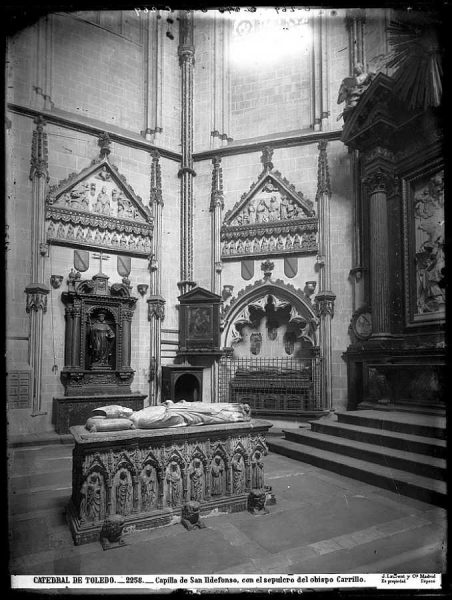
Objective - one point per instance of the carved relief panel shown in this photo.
(424, 245)
(271, 218)
(96, 208)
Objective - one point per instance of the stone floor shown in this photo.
(322, 523)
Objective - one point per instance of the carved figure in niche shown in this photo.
(251, 213)
(265, 245)
(353, 87)
(123, 242)
(261, 212)
(297, 242)
(103, 202)
(255, 343)
(238, 474)
(273, 209)
(174, 484)
(240, 248)
(147, 245)
(123, 494)
(283, 208)
(248, 248)
(148, 485)
(114, 240)
(92, 189)
(107, 238)
(197, 481)
(65, 200)
(114, 201)
(98, 237)
(103, 174)
(272, 244)
(239, 219)
(199, 322)
(101, 337)
(280, 244)
(257, 471)
(70, 232)
(288, 243)
(131, 243)
(51, 230)
(430, 271)
(256, 246)
(92, 506)
(218, 487)
(191, 516)
(60, 232)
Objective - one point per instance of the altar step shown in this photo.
(401, 452)
(438, 409)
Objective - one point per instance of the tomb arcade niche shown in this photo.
(96, 210)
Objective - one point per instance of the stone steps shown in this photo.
(402, 452)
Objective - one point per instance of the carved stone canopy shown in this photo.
(97, 208)
(271, 218)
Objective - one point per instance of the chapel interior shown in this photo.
(226, 206)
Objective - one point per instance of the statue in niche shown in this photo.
(123, 494)
(280, 243)
(297, 242)
(255, 343)
(217, 471)
(114, 201)
(114, 240)
(288, 243)
(265, 245)
(174, 484)
(256, 246)
(261, 212)
(92, 504)
(352, 88)
(273, 209)
(101, 337)
(248, 247)
(123, 242)
(272, 244)
(240, 248)
(148, 487)
(238, 474)
(197, 481)
(257, 471)
(92, 190)
(251, 213)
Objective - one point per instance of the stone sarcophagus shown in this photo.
(147, 476)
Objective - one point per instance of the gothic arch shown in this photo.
(300, 304)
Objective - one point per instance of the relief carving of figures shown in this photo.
(92, 505)
(284, 208)
(101, 337)
(148, 486)
(174, 484)
(257, 471)
(430, 263)
(273, 209)
(197, 481)
(218, 477)
(262, 212)
(102, 205)
(238, 474)
(251, 217)
(123, 493)
(78, 197)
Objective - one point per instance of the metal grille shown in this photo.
(271, 385)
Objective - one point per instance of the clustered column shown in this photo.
(325, 298)
(186, 173)
(37, 291)
(156, 303)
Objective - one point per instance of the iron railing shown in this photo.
(271, 385)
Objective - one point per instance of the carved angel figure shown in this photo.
(353, 87)
(174, 484)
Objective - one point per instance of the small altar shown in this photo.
(147, 475)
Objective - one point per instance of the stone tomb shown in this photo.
(148, 475)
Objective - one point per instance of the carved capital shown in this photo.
(36, 297)
(218, 267)
(381, 181)
(156, 307)
(104, 143)
(39, 154)
(325, 303)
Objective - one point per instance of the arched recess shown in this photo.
(271, 311)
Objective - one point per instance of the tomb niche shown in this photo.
(97, 367)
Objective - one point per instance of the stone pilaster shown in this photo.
(216, 208)
(325, 297)
(156, 303)
(379, 184)
(37, 290)
(355, 21)
(154, 77)
(186, 173)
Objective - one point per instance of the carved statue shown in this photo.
(111, 532)
(353, 87)
(148, 488)
(101, 336)
(174, 484)
(273, 209)
(92, 506)
(191, 516)
(103, 202)
(238, 474)
(123, 494)
(92, 189)
(251, 213)
(218, 487)
(261, 212)
(257, 474)
(283, 208)
(197, 481)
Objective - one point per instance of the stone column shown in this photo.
(325, 298)
(186, 173)
(156, 303)
(127, 315)
(154, 79)
(355, 21)
(76, 316)
(379, 183)
(37, 290)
